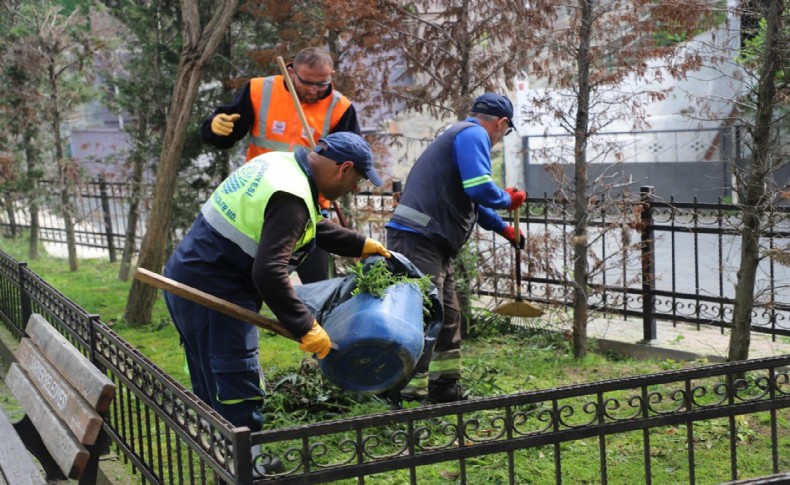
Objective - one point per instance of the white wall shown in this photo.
(703, 100)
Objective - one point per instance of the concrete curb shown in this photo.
(651, 351)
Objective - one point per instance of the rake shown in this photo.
(518, 308)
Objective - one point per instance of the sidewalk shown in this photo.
(680, 342)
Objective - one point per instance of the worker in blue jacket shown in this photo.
(256, 227)
(447, 192)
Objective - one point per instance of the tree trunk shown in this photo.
(35, 226)
(31, 154)
(759, 171)
(8, 204)
(580, 263)
(740, 338)
(68, 222)
(64, 177)
(141, 296)
(133, 215)
(197, 50)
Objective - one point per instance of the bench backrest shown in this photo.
(63, 394)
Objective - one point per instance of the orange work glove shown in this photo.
(222, 124)
(316, 341)
(374, 247)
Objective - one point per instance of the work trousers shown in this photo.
(445, 367)
(222, 356)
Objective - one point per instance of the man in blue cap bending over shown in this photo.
(448, 190)
(258, 225)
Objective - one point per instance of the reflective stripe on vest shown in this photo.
(419, 219)
(278, 125)
(237, 206)
(433, 201)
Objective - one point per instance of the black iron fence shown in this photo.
(728, 420)
(650, 259)
(165, 432)
(101, 213)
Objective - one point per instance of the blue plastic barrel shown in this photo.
(379, 340)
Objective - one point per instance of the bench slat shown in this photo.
(70, 455)
(86, 378)
(72, 408)
(18, 467)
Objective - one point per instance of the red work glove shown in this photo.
(517, 197)
(509, 233)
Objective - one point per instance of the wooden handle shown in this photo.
(516, 232)
(305, 126)
(295, 99)
(211, 301)
(517, 237)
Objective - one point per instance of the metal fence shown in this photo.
(650, 259)
(165, 432)
(101, 212)
(659, 428)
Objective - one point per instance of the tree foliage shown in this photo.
(202, 32)
(139, 76)
(52, 51)
(767, 61)
(21, 78)
(752, 54)
(435, 57)
(583, 54)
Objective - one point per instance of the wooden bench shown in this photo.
(64, 397)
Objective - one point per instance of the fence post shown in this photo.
(647, 237)
(242, 455)
(103, 443)
(105, 207)
(93, 321)
(24, 298)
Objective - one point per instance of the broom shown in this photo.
(518, 308)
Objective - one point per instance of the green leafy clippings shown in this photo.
(376, 278)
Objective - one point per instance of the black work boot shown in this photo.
(447, 391)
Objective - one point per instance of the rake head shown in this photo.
(518, 309)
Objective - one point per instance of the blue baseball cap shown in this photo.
(495, 105)
(346, 146)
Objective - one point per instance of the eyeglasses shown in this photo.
(510, 127)
(322, 84)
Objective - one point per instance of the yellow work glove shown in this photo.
(222, 124)
(316, 341)
(372, 247)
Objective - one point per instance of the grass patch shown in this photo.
(494, 363)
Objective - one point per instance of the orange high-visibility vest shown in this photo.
(277, 127)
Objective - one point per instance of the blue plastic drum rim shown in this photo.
(374, 368)
(379, 340)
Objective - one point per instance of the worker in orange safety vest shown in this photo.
(264, 110)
